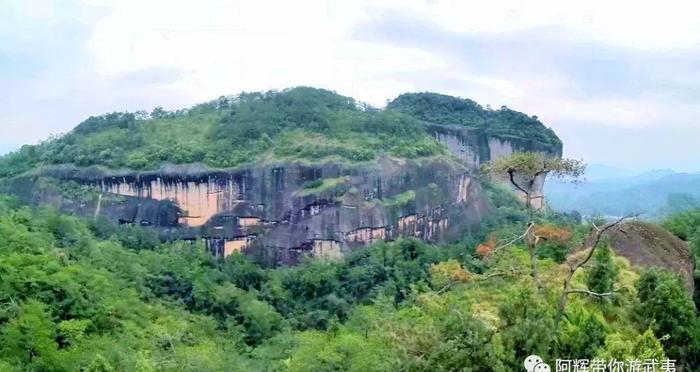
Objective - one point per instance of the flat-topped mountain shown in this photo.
(282, 174)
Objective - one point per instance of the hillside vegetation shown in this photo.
(296, 124)
(94, 296)
(443, 109)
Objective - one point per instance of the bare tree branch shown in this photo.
(519, 237)
(512, 272)
(511, 174)
(590, 293)
(596, 236)
(446, 287)
(591, 243)
(541, 172)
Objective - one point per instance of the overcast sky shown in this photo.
(618, 81)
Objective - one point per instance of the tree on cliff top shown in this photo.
(524, 170)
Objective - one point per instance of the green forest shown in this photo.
(349, 186)
(96, 296)
(443, 109)
(92, 294)
(305, 124)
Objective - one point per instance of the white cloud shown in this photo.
(642, 24)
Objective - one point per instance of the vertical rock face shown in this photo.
(475, 148)
(281, 212)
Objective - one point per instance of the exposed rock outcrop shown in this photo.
(474, 147)
(279, 212)
(649, 245)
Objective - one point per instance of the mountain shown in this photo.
(596, 172)
(653, 194)
(650, 175)
(126, 273)
(282, 175)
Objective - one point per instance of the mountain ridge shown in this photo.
(297, 123)
(281, 175)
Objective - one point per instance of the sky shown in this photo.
(618, 81)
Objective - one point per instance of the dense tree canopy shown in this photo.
(504, 122)
(90, 295)
(300, 124)
(79, 295)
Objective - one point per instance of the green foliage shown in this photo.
(632, 346)
(508, 210)
(72, 302)
(79, 295)
(529, 165)
(665, 307)
(685, 225)
(321, 185)
(504, 122)
(528, 327)
(96, 124)
(296, 124)
(346, 351)
(400, 199)
(582, 334)
(29, 338)
(603, 272)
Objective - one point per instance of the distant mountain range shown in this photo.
(614, 192)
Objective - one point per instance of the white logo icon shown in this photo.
(534, 363)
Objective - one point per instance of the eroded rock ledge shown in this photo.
(283, 211)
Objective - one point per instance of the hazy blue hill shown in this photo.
(653, 193)
(595, 172)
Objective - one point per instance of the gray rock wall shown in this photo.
(474, 148)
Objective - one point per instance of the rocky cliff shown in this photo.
(279, 212)
(282, 209)
(474, 147)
